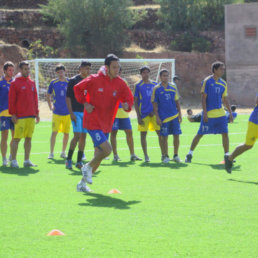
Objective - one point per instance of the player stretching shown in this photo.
(213, 121)
(76, 112)
(23, 106)
(122, 122)
(5, 118)
(144, 108)
(104, 93)
(168, 113)
(251, 137)
(61, 119)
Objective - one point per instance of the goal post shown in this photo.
(43, 70)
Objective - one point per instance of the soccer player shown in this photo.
(193, 118)
(6, 123)
(105, 91)
(23, 106)
(213, 121)
(76, 110)
(61, 118)
(251, 137)
(168, 114)
(234, 113)
(122, 122)
(144, 108)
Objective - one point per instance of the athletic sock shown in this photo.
(227, 153)
(79, 156)
(190, 152)
(70, 154)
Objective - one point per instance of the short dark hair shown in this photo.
(176, 77)
(84, 63)
(216, 65)
(163, 71)
(22, 63)
(143, 68)
(110, 58)
(233, 108)
(60, 67)
(8, 64)
(188, 110)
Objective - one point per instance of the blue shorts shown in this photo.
(122, 124)
(171, 127)
(98, 137)
(78, 127)
(218, 125)
(6, 123)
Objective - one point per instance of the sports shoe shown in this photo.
(14, 164)
(68, 164)
(87, 173)
(82, 187)
(116, 158)
(28, 163)
(63, 155)
(147, 159)
(5, 162)
(228, 164)
(84, 157)
(165, 159)
(79, 165)
(107, 158)
(134, 157)
(176, 158)
(188, 158)
(51, 156)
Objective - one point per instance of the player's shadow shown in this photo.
(119, 163)
(171, 165)
(19, 171)
(104, 201)
(56, 161)
(217, 166)
(242, 181)
(78, 172)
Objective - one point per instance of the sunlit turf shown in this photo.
(183, 210)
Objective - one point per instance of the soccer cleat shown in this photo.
(107, 158)
(116, 158)
(176, 158)
(79, 165)
(28, 163)
(87, 173)
(68, 164)
(147, 159)
(5, 162)
(228, 164)
(165, 159)
(188, 158)
(84, 157)
(82, 187)
(134, 157)
(63, 155)
(51, 156)
(14, 164)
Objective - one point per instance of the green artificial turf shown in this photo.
(173, 210)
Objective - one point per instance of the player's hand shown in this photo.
(125, 106)
(205, 117)
(89, 108)
(37, 119)
(231, 119)
(180, 119)
(14, 119)
(73, 117)
(159, 121)
(140, 121)
(151, 114)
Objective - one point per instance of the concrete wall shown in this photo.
(241, 52)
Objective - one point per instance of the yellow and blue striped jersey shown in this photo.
(4, 91)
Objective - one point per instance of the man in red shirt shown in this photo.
(23, 106)
(105, 91)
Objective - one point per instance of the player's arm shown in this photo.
(126, 98)
(36, 104)
(68, 101)
(179, 111)
(49, 94)
(155, 107)
(227, 105)
(204, 107)
(257, 99)
(136, 105)
(11, 102)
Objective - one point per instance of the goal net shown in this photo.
(43, 70)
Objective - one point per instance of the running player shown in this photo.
(76, 112)
(168, 114)
(122, 122)
(23, 90)
(5, 118)
(214, 121)
(144, 108)
(105, 91)
(61, 121)
(251, 137)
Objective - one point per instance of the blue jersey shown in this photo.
(143, 91)
(234, 114)
(58, 89)
(166, 99)
(254, 115)
(4, 91)
(215, 91)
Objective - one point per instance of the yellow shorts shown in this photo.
(24, 128)
(150, 123)
(252, 134)
(61, 124)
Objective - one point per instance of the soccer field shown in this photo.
(165, 210)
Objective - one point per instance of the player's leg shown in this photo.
(65, 142)
(175, 130)
(4, 138)
(164, 132)
(143, 134)
(144, 144)
(113, 144)
(176, 147)
(52, 144)
(65, 125)
(225, 142)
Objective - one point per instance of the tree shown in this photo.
(98, 26)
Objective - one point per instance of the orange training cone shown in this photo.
(114, 191)
(55, 232)
(222, 162)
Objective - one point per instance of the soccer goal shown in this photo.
(43, 70)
